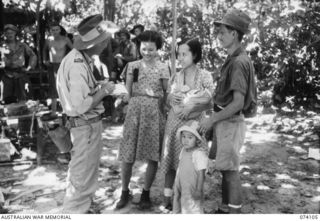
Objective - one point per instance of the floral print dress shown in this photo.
(145, 122)
(171, 145)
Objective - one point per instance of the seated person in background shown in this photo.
(137, 30)
(56, 46)
(107, 56)
(127, 52)
(15, 81)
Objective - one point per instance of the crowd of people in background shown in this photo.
(19, 58)
(167, 119)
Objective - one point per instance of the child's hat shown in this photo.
(190, 126)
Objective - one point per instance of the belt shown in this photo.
(144, 95)
(78, 122)
(218, 108)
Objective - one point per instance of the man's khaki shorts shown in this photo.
(228, 139)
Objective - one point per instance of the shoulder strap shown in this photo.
(169, 68)
(83, 116)
(90, 71)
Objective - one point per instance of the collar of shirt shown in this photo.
(88, 60)
(236, 52)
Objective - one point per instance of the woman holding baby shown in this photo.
(191, 82)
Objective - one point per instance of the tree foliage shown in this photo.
(283, 43)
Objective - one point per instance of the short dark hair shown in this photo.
(151, 36)
(63, 31)
(195, 48)
(140, 27)
(124, 31)
(240, 34)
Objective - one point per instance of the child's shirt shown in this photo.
(190, 166)
(199, 158)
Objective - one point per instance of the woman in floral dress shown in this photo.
(189, 78)
(146, 82)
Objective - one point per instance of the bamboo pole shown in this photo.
(38, 34)
(174, 37)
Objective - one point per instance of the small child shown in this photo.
(188, 187)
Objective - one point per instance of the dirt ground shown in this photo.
(277, 177)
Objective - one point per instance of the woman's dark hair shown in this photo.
(151, 36)
(63, 31)
(70, 36)
(195, 48)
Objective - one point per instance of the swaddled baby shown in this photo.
(191, 98)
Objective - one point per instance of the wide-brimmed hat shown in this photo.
(11, 27)
(137, 26)
(236, 19)
(93, 30)
(190, 126)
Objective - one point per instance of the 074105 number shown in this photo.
(309, 216)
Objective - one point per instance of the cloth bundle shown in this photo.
(193, 98)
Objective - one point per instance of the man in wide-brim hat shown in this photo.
(235, 95)
(80, 95)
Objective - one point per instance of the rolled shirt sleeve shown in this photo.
(239, 78)
(234, 77)
(200, 160)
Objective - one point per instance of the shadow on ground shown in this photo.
(276, 175)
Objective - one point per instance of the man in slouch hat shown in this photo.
(235, 95)
(80, 95)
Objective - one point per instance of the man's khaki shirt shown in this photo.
(76, 85)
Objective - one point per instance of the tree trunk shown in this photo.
(1, 16)
(38, 34)
(109, 9)
(174, 36)
(261, 18)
